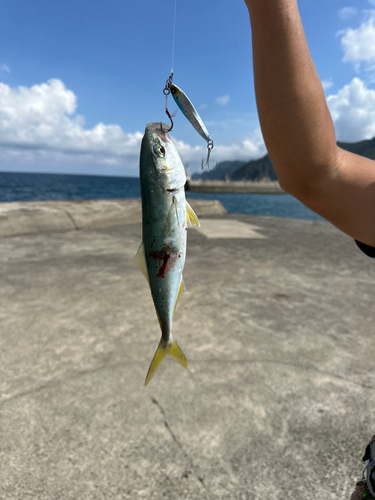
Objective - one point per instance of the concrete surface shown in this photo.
(278, 401)
(52, 216)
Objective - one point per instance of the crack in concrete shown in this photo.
(30, 391)
(56, 382)
(191, 464)
(67, 213)
(287, 363)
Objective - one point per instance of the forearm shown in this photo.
(294, 117)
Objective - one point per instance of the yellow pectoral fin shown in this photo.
(191, 215)
(162, 351)
(140, 262)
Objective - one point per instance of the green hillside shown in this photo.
(362, 148)
(255, 170)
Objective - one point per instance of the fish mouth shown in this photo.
(160, 129)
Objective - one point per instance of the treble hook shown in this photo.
(166, 92)
(210, 147)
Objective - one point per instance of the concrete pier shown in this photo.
(277, 324)
(59, 216)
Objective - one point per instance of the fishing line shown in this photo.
(184, 103)
(174, 33)
(166, 90)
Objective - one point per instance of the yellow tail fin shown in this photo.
(162, 351)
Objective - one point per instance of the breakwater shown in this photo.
(234, 187)
(57, 216)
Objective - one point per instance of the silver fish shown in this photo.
(165, 213)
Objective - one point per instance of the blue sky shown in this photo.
(79, 80)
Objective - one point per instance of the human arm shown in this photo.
(297, 126)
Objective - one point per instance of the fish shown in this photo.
(162, 253)
(186, 106)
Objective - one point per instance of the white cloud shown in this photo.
(247, 149)
(5, 68)
(327, 84)
(223, 100)
(39, 124)
(347, 12)
(353, 111)
(40, 131)
(359, 44)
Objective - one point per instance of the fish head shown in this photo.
(160, 160)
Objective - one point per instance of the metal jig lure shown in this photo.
(187, 108)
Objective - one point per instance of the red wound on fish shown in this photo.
(163, 267)
(165, 258)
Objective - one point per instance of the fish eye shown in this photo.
(173, 91)
(159, 150)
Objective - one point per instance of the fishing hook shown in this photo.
(168, 113)
(166, 92)
(210, 147)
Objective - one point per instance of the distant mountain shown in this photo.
(223, 168)
(257, 170)
(254, 170)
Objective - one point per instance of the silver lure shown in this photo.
(186, 106)
(165, 211)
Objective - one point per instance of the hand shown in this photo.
(359, 491)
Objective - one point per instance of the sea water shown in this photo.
(42, 187)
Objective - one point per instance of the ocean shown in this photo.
(42, 187)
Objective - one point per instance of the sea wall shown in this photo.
(234, 187)
(55, 216)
